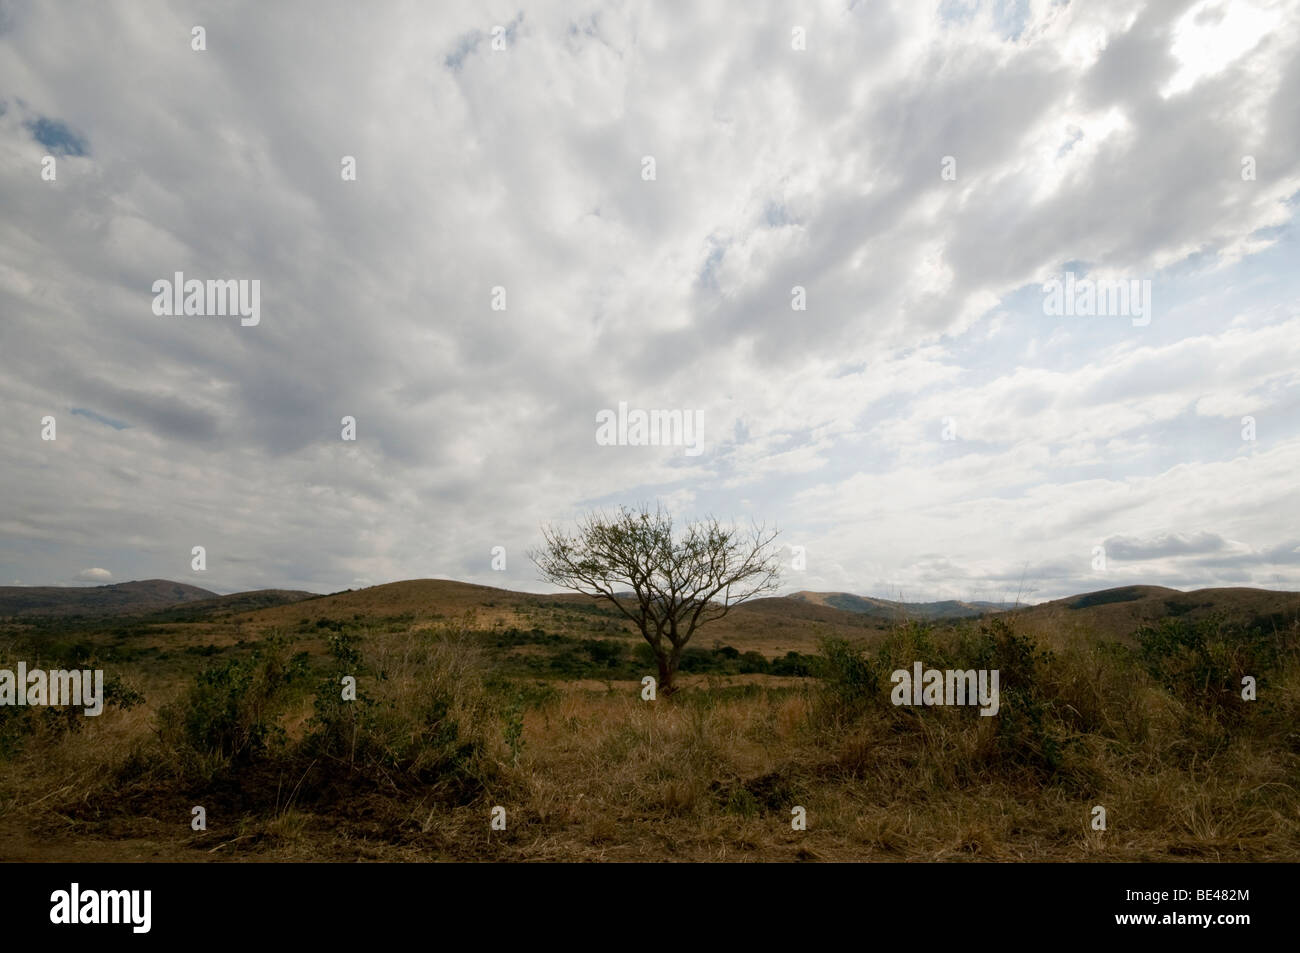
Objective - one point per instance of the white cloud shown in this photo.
(522, 168)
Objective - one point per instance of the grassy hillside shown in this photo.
(899, 611)
(118, 599)
(1118, 613)
(236, 603)
(771, 626)
(470, 697)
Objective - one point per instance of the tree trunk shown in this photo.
(667, 669)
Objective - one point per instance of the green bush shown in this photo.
(418, 716)
(1027, 733)
(20, 724)
(850, 681)
(1202, 663)
(792, 663)
(231, 710)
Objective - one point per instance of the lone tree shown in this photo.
(669, 586)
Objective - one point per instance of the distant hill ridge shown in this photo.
(1124, 609)
(774, 624)
(133, 598)
(888, 608)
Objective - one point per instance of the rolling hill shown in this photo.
(120, 598)
(772, 625)
(889, 609)
(143, 598)
(1118, 612)
(235, 603)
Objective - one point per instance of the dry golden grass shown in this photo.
(771, 626)
(710, 775)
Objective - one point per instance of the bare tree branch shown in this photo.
(679, 581)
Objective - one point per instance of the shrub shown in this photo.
(1201, 663)
(418, 718)
(1027, 734)
(605, 653)
(792, 663)
(850, 681)
(231, 710)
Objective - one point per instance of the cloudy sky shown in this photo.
(923, 427)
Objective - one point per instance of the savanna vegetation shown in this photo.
(455, 716)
